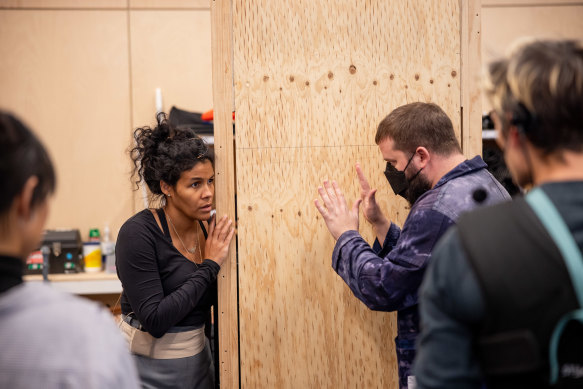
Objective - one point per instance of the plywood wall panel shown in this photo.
(312, 81)
(340, 57)
(66, 74)
(228, 309)
(300, 325)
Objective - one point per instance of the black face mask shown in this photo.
(397, 179)
(417, 188)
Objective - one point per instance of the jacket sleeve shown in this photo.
(137, 268)
(450, 306)
(389, 282)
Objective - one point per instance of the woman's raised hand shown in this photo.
(217, 244)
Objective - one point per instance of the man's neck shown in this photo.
(11, 244)
(10, 250)
(554, 168)
(441, 165)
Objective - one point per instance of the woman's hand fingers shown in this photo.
(212, 223)
(220, 234)
(223, 228)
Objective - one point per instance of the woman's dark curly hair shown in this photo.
(164, 152)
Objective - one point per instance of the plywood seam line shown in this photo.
(301, 325)
(305, 147)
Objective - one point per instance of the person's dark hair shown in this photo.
(419, 124)
(22, 156)
(162, 153)
(539, 88)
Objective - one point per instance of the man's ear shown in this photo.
(424, 156)
(514, 138)
(23, 200)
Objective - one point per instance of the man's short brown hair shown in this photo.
(419, 124)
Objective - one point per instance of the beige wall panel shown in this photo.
(66, 73)
(168, 4)
(63, 3)
(502, 26)
(170, 50)
(312, 81)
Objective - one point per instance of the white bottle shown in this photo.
(108, 251)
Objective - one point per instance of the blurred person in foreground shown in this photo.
(48, 339)
(498, 284)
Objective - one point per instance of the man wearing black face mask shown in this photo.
(409, 188)
(425, 165)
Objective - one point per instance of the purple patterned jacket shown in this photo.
(388, 278)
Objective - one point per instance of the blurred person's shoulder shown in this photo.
(38, 311)
(46, 333)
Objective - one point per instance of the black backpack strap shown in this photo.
(561, 235)
(510, 251)
(569, 331)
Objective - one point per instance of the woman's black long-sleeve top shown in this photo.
(162, 287)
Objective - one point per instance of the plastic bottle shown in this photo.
(92, 252)
(94, 235)
(108, 251)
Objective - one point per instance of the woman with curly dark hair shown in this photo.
(168, 263)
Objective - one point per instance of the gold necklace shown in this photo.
(192, 250)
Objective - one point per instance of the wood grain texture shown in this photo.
(222, 76)
(471, 92)
(314, 58)
(300, 325)
(312, 81)
(65, 73)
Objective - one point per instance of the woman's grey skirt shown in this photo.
(197, 371)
